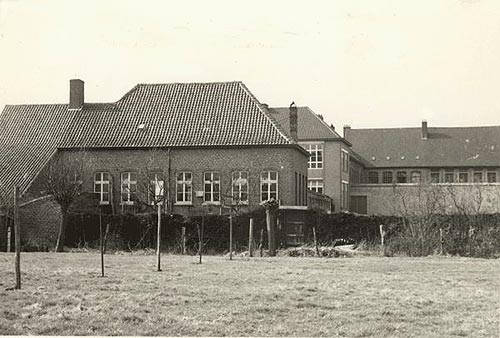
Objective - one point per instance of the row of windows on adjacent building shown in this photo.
(417, 176)
(184, 187)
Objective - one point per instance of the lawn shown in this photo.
(62, 294)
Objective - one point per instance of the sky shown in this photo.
(368, 64)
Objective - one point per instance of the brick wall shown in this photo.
(40, 219)
(285, 160)
(385, 199)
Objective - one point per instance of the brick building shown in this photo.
(196, 144)
(328, 165)
(464, 161)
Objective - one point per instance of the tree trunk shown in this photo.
(61, 237)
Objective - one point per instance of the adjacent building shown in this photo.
(328, 165)
(464, 158)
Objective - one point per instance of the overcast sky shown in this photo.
(364, 63)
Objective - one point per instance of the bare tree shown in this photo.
(64, 182)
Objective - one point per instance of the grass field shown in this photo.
(62, 294)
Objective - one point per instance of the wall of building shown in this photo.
(386, 199)
(287, 161)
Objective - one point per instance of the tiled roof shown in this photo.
(310, 126)
(177, 114)
(404, 147)
(28, 138)
(149, 115)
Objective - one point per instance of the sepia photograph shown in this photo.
(250, 168)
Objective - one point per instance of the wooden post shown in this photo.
(250, 238)
(382, 235)
(158, 240)
(9, 235)
(183, 240)
(315, 241)
(17, 235)
(102, 242)
(261, 246)
(271, 220)
(230, 237)
(441, 241)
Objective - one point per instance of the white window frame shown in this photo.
(345, 195)
(418, 174)
(315, 184)
(186, 186)
(265, 179)
(345, 160)
(156, 185)
(239, 186)
(127, 183)
(101, 182)
(474, 176)
(493, 173)
(214, 193)
(314, 150)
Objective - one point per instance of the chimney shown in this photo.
(76, 93)
(347, 128)
(293, 121)
(425, 133)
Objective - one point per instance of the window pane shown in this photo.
(180, 177)
(97, 177)
(244, 197)
(180, 197)
(208, 176)
(463, 177)
(208, 197)
(216, 176)
(478, 177)
(133, 177)
(208, 187)
(273, 175)
(415, 176)
(105, 187)
(273, 187)
(187, 176)
(387, 177)
(435, 177)
(105, 197)
(492, 177)
(97, 188)
(448, 177)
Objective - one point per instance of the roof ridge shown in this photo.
(261, 109)
(323, 122)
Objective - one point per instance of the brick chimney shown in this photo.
(293, 121)
(76, 93)
(425, 133)
(347, 128)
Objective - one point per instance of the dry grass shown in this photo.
(354, 297)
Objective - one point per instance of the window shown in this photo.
(373, 177)
(345, 195)
(128, 187)
(240, 187)
(387, 177)
(316, 158)
(155, 191)
(478, 176)
(212, 187)
(102, 186)
(184, 189)
(345, 160)
(449, 177)
(315, 185)
(492, 177)
(435, 177)
(463, 177)
(401, 177)
(416, 176)
(269, 185)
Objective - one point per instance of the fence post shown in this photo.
(158, 240)
(9, 235)
(230, 237)
(250, 238)
(315, 241)
(382, 237)
(101, 241)
(17, 235)
(441, 241)
(183, 240)
(261, 242)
